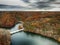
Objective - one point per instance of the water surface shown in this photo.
(26, 38)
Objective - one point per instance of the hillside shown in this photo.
(44, 23)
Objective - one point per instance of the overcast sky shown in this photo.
(22, 3)
(15, 2)
(10, 2)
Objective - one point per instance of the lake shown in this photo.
(27, 38)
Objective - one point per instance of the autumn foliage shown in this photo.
(7, 20)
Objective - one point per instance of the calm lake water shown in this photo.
(26, 38)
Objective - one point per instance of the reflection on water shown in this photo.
(22, 38)
(25, 38)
